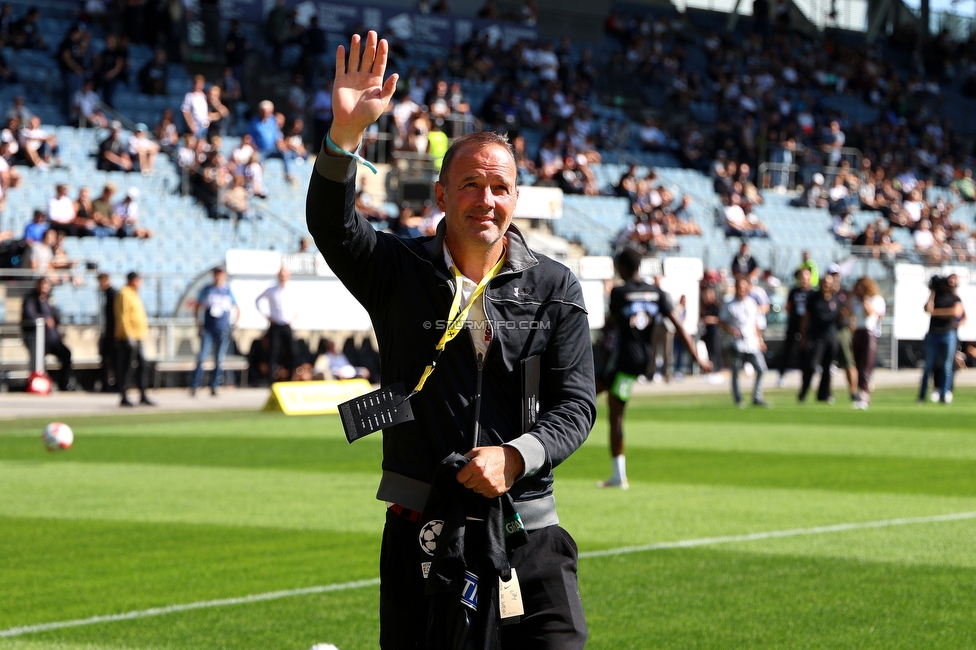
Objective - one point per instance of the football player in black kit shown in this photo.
(633, 306)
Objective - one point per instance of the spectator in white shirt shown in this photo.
(40, 254)
(281, 312)
(546, 63)
(62, 215)
(340, 366)
(241, 156)
(735, 220)
(741, 318)
(923, 236)
(38, 145)
(195, 110)
(143, 150)
(254, 176)
(128, 211)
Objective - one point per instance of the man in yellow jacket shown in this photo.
(131, 327)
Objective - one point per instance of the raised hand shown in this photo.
(359, 94)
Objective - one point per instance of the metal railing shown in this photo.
(381, 140)
(774, 175)
(770, 170)
(83, 281)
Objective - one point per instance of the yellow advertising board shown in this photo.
(314, 397)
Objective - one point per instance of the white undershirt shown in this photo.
(476, 320)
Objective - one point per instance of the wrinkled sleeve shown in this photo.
(567, 391)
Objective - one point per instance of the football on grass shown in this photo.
(58, 435)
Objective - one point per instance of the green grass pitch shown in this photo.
(152, 511)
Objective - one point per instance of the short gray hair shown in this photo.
(479, 139)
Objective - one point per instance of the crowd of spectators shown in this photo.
(659, 217)
(769, 90)
(226, 184)
(768, 87)
(40, 248)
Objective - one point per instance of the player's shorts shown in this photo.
(622, 386)
(845, 348)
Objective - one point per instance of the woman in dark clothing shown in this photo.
(710, 310)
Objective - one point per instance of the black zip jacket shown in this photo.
(535, 306)
(35, 308)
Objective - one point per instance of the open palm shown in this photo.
(359, 94)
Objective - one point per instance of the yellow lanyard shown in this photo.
(457, 316)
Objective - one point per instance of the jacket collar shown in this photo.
(519, 256)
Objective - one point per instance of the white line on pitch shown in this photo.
(774, 534)
(170, 609)
(343, 586)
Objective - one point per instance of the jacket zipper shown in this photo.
(477, 402)
(480, 358)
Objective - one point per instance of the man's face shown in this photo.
(742, 286)
(44, 288)
(805, 279)
(829, 282)
(104, 282)
(478, 196)
(220, 278)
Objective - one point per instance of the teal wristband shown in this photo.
(334, 148)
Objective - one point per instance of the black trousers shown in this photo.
(546, 569)
(790, 343)
(131, 361)
(61, 351)
(865, 351)
(283, 353)
(57, 348)
(714, 348)
(108, 351)
(819, 352)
